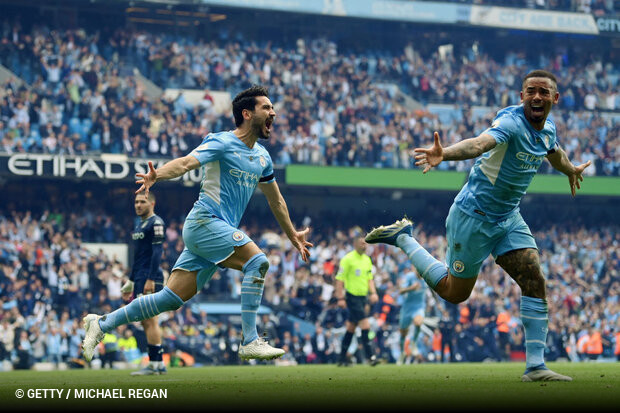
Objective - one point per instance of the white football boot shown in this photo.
(259, 349)
(387, 234)
(93, 335)
(544, 374)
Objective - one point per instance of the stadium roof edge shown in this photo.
(431, 12)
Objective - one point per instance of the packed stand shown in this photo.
(333, 107)
(49, 281)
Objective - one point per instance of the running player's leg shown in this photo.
(153, 335)
(417, 327)
(218, 242)
(400, 234)
(254, 264)
(181, 286)
(404, 321)
(402, 340)
(523, 266)
(170, 298)
(518, 255)
(468, 246)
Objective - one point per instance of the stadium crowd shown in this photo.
(49, 281)
(334, 107)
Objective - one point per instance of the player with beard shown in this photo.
(485, 219)
(233, 165)
(146, 277)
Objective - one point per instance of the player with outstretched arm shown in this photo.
(233, 164)
(484, 218)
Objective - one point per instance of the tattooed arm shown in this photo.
(466, 149)
(559, 160)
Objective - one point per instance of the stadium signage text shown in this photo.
(541, 20)
(61, 166)
(609, 24)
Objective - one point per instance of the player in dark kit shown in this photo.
(146, 276)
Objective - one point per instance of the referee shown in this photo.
(355, 275)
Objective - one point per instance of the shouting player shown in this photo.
(485, 218)
(233, 164)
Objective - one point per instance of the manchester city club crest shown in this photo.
(262, 161)
(458, 266)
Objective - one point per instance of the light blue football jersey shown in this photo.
(500, 177)
(231, 172)
(416, 297)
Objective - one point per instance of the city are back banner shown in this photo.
(609, 25)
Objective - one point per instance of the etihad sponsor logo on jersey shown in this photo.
(529, 161)
(245, 178)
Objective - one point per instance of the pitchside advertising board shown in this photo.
(122, 169)
(104, 167)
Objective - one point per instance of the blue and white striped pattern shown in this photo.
(148, 308)
(142, 308)
(252, 288)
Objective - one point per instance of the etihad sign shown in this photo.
(112, 167)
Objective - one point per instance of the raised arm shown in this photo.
(169, 170)
(280, 211)
(465, 149)
(559, 160)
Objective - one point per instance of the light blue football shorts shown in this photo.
(471, 240)
(408, 312)
(208, 242)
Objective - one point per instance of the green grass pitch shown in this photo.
(414, 388)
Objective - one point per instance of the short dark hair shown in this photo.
(540, 73)
(247, 100)
(151, 196)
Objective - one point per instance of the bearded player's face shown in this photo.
(263, 117)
